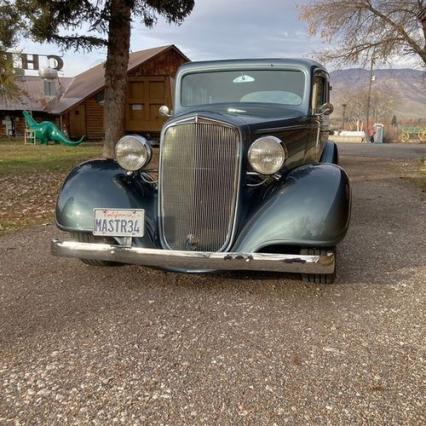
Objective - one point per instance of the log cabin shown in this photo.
(76, 104)
(151, 74)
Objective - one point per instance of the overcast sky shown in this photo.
(216, 29)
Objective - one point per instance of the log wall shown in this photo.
(165, 64)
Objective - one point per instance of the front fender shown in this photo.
(103, 184)
(310, 207)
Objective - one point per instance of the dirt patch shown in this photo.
(29, 197)
(28, 200)
(30, 176)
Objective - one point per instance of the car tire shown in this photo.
(319, 278)
(85, 237)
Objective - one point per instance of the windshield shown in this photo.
(284, 87)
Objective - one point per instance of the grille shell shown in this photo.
(200, 167)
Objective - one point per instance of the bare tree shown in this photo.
(382, 106)
(359, 27)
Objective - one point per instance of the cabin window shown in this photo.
(49, 88)
(319, 93)
(137, 107)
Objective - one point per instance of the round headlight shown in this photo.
(132, 152)
(267, 155)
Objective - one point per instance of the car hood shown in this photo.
(252, 115)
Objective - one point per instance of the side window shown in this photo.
(319, 93)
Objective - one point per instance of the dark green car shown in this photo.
(247, 179)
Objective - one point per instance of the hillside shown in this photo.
(406, 86)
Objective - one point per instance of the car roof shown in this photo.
(305, 63)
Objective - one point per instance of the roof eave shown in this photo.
(99, 88)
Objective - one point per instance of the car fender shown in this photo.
(309, 208)
(103, 184)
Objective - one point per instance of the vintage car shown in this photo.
(246, 179)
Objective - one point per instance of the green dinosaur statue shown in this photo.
(47, 131)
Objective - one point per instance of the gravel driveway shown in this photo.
(133, 345)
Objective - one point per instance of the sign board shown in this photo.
(31, 61)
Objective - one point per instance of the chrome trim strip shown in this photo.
(283, 129)
(196, 118)
(317, 141)
(195, 260)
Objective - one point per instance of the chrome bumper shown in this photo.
(195, 260)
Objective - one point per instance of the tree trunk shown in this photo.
(116, 74)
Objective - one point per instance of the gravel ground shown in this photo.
(132, 345)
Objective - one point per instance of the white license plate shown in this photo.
(119, 222)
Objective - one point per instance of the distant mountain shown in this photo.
(406, 86)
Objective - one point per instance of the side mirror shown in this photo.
(164, 111)
(326, 109)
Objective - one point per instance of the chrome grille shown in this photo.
(199, 178)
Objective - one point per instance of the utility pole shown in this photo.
(369, 89)
(343, 116)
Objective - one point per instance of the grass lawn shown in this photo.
(17, 158)
(30, 177)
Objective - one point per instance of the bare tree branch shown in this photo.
(393, 27)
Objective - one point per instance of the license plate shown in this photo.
(119, 222)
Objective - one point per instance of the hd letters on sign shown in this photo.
(30, 61)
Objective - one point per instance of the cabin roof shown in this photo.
(32, 96)
(92, 81)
